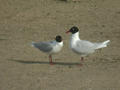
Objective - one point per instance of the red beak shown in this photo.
(68, 31)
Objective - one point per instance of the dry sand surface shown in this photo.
(23, 67)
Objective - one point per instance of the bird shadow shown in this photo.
(2, 39)
(44, 62)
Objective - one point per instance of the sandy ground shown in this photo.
(23, 67)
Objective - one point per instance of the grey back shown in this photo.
(44, 46)
(85, 46)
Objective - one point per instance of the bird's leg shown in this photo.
(50, 59)
(82, 58)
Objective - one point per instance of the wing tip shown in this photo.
(107, 41)
(32, 44)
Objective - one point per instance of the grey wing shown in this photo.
(84, 46)
(43, 46)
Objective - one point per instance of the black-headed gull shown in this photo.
(50, 47)
(83, 47)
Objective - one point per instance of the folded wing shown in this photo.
(43, 46)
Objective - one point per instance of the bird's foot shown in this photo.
(80, 65)
(51, 63)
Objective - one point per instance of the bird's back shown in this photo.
(83, 47)
(43, 46)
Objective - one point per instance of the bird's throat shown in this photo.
(74, 39)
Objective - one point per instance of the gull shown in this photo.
(50, 47)
(83, 47)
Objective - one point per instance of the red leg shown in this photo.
(82, 58)
(80, 64)
(50, 59)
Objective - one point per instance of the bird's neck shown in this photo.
(75, 37)
(60, 43)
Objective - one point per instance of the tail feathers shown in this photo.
(102, 45)
(105, 42)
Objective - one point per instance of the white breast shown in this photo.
(74, 39)
(57, 47)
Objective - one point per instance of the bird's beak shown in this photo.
(68, 31)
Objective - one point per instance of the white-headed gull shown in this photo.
(50, 47)
(83, 47)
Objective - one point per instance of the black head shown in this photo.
(58, 38)
(73, 30)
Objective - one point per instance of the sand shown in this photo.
(23, 67)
